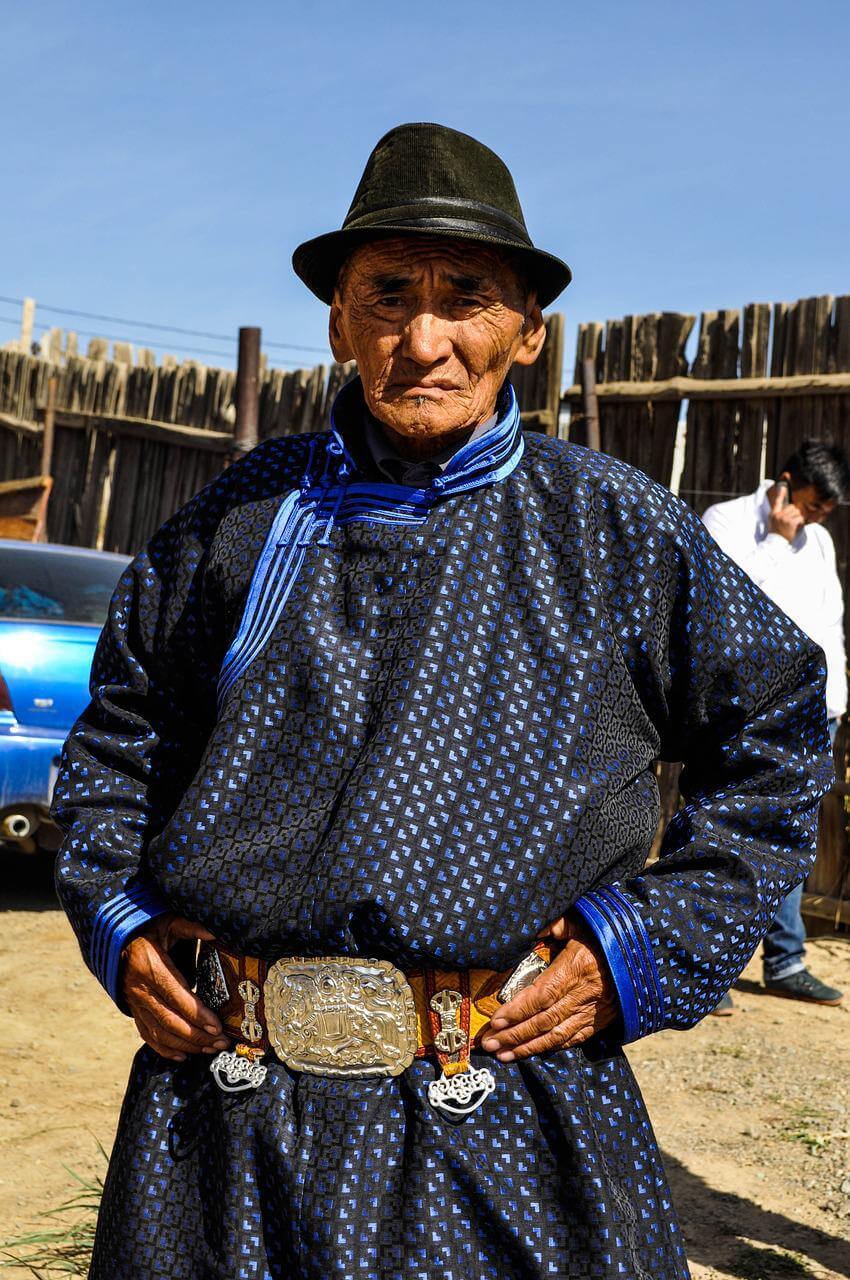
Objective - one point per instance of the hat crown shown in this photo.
(428, 180)
(430, 165)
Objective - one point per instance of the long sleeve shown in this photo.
(138, 743)
(736, 692)
(832, 633)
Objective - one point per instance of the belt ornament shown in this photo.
(346, 1016)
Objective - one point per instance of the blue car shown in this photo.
(53, 604)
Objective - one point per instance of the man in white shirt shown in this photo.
(776, 535)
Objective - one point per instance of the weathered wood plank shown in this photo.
(701, 388)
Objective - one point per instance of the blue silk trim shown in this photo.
(115, 923)
(625, 942)
(307, 516)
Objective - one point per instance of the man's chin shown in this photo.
(421, 419)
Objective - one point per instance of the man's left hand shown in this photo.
(570, 1001)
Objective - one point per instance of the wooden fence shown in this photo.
(134, 442)
(762, 380)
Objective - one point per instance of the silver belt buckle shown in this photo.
(340, 1016)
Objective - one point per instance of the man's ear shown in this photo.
(532, 335)
(337, 336)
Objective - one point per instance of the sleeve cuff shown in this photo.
(625, 942)
(115, 923)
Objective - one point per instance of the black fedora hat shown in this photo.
(425, 179)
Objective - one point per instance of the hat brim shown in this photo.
(317, 262)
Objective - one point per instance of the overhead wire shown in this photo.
(151, 342)
(162, 328)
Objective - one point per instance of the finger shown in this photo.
(544, 991)
(152, 968)
(151, 1038)
(162, 1033)
(576, 1004)
(561, 975)
(563, 1036)
(575, 1027)
(161, 1015)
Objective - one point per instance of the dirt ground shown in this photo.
(751, 1111)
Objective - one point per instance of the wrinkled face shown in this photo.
(434, 326)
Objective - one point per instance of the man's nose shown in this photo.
(427, 338)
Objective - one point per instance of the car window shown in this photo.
(56, 586)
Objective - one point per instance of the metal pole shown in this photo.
(247, 392)
(591, 404)
(49, 422)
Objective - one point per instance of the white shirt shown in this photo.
(799, 576)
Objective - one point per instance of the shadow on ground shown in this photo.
(26, 882)
(719, 1228)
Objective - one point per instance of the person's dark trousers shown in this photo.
(784, 949)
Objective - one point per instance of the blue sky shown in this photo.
(162, 162)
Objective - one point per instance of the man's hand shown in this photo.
(785, 518)
(572, 1000)
(168, 1016)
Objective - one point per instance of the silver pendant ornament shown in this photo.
(234, 1073)
(461, 1094)
(462, 1090)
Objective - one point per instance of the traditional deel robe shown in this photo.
(336, 716)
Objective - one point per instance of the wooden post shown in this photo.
(27, 323)
(49, 426)
(247, 392)
(591, 405)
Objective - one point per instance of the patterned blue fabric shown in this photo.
(445, 740)
(333, 499)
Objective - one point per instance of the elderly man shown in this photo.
(374, 718)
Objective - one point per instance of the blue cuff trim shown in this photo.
(116, 922)
(622, 935)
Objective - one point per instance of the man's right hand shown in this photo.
(785, 519)
(167, 1015)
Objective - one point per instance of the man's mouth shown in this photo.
(425, 388)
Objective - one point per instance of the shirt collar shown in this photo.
(399, 469)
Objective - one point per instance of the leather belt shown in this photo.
(347, 1016)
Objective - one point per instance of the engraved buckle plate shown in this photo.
(340, 1016)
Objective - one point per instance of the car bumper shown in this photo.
(28, 766)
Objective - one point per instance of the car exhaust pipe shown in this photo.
(17, 826)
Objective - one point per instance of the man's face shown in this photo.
(434, 326)
(810, 502)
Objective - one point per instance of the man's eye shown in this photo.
(391, 300)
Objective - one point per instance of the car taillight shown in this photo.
(5, 700)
